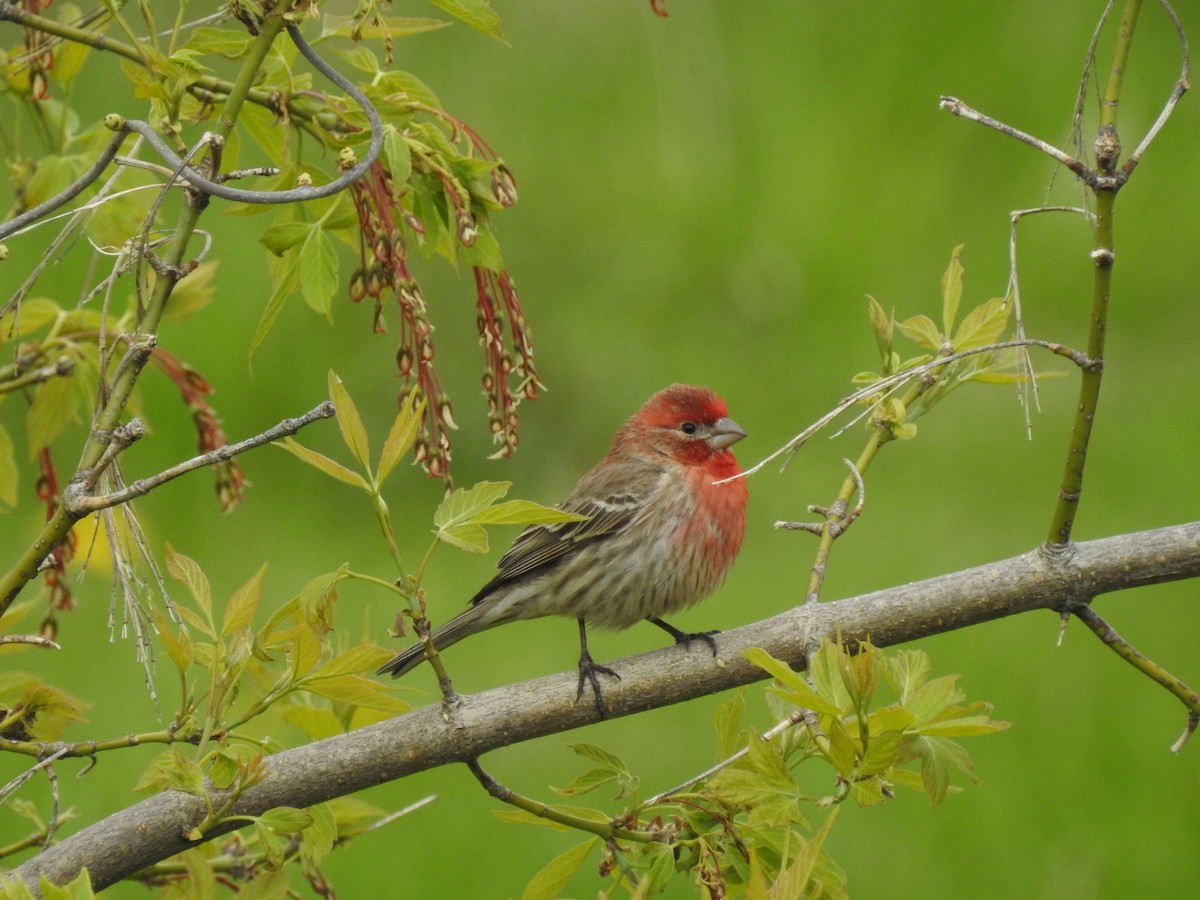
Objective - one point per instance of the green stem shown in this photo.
(42, 749)
(1071, 487)
(880, 435)
(601, 828)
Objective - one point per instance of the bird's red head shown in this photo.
(691, 425)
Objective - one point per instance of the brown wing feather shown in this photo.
(609, 511)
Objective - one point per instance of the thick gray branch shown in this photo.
(154, 829)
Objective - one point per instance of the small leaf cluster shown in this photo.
(977, 332)
(744, 829)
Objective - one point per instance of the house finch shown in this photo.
(659, 537)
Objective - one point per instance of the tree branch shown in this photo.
(1058, 579)
(80, 501)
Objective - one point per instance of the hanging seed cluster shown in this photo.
(443, 206)
(194, 388)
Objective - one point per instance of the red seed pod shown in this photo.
(404, 361)
(382, 248)
(504, 186)
(415, 224)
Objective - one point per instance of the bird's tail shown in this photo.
(465, 623)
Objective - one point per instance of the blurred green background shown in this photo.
(709, 198)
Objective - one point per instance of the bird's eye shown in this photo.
(688, 427)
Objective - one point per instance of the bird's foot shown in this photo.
(588, 670)
(684, 637)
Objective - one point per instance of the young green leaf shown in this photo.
(794, 687)
(9, 478)
(524, 512)
(188, 573)
(319, 273)
(476, 13)
(951, 285)
(239, 611)
(922, 330)
(401, 435)
(324, 463)
(548, 883)
(350, 422)
(983, 325)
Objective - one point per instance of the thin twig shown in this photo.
(36, 639)
(958, 108)
(1180, 88)
(890, 381)
(1014, 291)
(1148, 667)
(80, 503)
(778, 728)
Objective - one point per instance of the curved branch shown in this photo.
(124, 127)
(292, 195)
(155, 829)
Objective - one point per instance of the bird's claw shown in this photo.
(706, 636)
(588, 670)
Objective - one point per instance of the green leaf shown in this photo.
(965, 726)
(401, 435)
(548, 883)
(524, 512)
(795, 688)
(319, 273)
(928, 701)
(796, 879)
(188, 573)
(79, 888)
(588, 781)
(354, 434)
(324, 463)
(464, 504)
(922, 330)
(951, 285)
(983, 325)
(239, 611)
(825, 669)
(397, 155)
(363, 658)
(599, 755)
(286, 819)
(178, 643)
(9, 474)
(729, 724)
(884, 326)
(172, 770)
(316, 723)
(377, 29)
(355, 689)
(476, 13)
(881, 752)
(285, 278)
(286, 235)
(55, 404)
(906, 671)
(843, 750)
(320, 835)
(455, 520)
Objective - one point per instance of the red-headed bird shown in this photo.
(659, 537)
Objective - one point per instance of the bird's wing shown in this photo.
(541, 546)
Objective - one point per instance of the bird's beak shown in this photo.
(725, 433)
